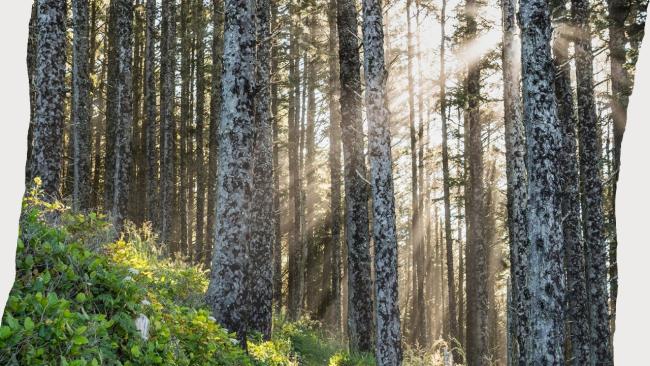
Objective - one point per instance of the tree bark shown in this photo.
(545, 279)
(516, 176)
(592, 187)
(47, 150)
(150, 122)
(262, 218)
(388, 349)
(360, 304)
(227, 293)
(81, 108)
(199, 32)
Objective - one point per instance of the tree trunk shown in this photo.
(31, 73)
(47, 150)
(388, 350)
(577, 303)
(453, 325)
(592, 187)
(334, 247)
(544, 271)
(199, 31)
(150, 123)
(167, 122)
(262, 218)
(516, 183)
(360, 304)
(215, 119)
(81, 107)
(275, 101)
(477, 327)
(124, 115)
(227, 293)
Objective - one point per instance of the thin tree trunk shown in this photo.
(275, 101)
(516, 183)
(334, 247)
(477, 327)
(167, 122)
(592, 187)
(360, 303)
(150, 123)
(199, 31)
(262, 218)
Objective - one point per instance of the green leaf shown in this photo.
(81, 297)
(135, 350)
(79, 340)
(5, 332)
(29, 324)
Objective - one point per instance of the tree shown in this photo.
(477, 336)
(199, 31)
(577, 312)
(516, 180)
(167, 123)
(388, 349)
(544, 271)
(81, 105)
(227, 293)
(360, 304)
(262, 217)
(334, 247)
(592, 187)
(47, 150)
(124, 112)
(150, 122)
(453, 325)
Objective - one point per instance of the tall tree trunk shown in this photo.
(150, 123)
(124, 115)
(577, 302)
(275, 101)
(227, 293)
(185, 29)
(334, 247)
(47, 150)
(592, 187)
(388, 349)
(621, 90)
(31, 74)
(295, 285)
(477, 337)
(453, 326)
(360, 304)
(516, 183)
(81, 107)
(262, 218)
(199, 31)
(544, 271)
(167, 122)
(215, 119)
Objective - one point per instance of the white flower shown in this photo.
(134, 271)
(234, 341)
(128, 278)
(145, 302)
(212, 319)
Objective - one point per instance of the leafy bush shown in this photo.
(77, 299)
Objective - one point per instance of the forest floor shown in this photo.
(82, 299)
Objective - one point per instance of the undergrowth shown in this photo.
(78, 296)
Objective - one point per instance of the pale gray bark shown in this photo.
(227, 293)
(215, 118)
(277, 250)
(360, 304)
(167, 123)
(262, 217)
(517, 183)
(545, 279)
(388, 349)
(81, 108)
(592, 188)
(47, 149)
(199, 33)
